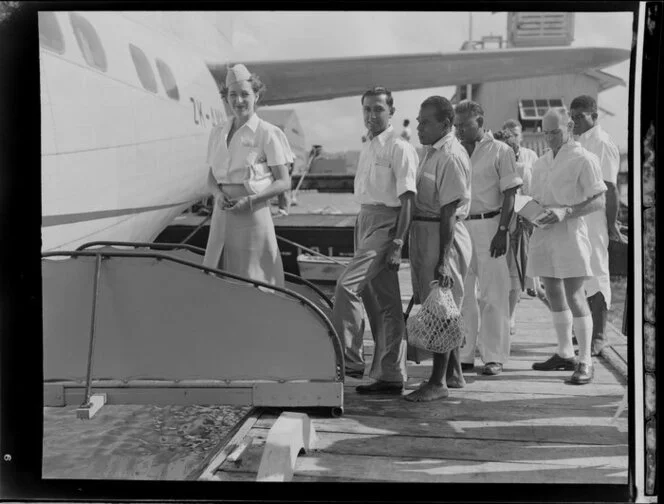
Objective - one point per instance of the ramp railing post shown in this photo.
(93, 318)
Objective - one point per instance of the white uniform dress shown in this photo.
(563, 250)
(597, 141)
(247, 239)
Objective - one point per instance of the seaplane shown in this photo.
(128, 100)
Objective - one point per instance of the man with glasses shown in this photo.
(494, 181)
(602, 225)
(567, 181)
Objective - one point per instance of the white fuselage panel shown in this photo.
(119, 162)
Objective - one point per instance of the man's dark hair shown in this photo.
(377, 91)
(469, 107)
(584, 102)
(406, 122)
(442, 106)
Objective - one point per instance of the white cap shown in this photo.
(236, 74)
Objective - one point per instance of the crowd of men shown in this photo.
(456, 207)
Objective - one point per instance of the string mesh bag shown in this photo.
(438, 325)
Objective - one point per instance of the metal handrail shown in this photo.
(152, 245)
(167, 246)
(336, 342)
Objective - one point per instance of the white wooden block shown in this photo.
(88, 411)
(291, 433)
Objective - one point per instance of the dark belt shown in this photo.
(428, 219)
(487, 215)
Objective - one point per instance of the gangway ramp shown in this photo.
(171, 331)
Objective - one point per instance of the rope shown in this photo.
(311, 251)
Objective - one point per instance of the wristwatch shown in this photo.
(398, 242)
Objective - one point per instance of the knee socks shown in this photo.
(583, 330)
(562, 321)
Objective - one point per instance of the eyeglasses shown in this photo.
(554, 132)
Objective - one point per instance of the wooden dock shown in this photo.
(520, 426)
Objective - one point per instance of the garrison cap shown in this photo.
(236, 74)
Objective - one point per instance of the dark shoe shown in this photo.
(582, 374)
(597, 346)
(531, 292)
(354, 374)
(381, 387)
(467, 367)
(492, 368)
(556, 363)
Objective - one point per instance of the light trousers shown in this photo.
(485, 307)
(367, 280)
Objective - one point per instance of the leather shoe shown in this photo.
(467, 366)
(492, 368)
(582, 374)
(354, 374)
(381, 387)
(555, 363)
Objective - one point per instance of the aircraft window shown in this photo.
(143, 69)
(50, 35)
(88, 41)
(168, 80)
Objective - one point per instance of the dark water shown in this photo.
(134, 441)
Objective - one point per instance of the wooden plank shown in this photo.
(292, 395)
(380, 445)
(519, 371)
(428, 470)
(228, 445)
(166, 396)
(472, 404)
(291, 433)
(547, 429)
(87, 411)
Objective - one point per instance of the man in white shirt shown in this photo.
(526, 155)
(602, 224)
(385, 189)
(494, 181)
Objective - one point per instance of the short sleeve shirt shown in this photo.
(524, 166)
(386, 170)
(570, 178)
(255, 143)
(443, 177)
(493, 171)
(598, 141)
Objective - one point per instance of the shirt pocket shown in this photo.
(382, 177)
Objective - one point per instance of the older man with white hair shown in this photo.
(567, 181)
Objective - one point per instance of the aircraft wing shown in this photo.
(322, 79)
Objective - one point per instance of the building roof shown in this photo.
(606, 80)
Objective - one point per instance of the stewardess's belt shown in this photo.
(487, 215)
